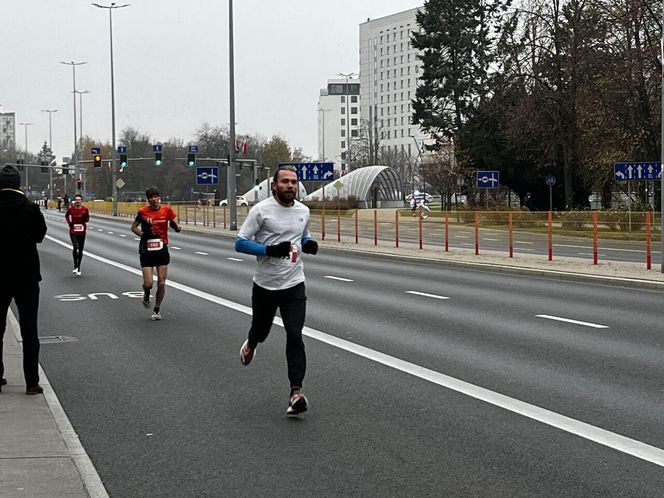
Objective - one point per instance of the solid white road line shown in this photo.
(202, 253)
(426, 295)
(610, 439)
(575, 322)
(341, 279)
(235, 259)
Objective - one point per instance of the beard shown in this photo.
(285, 196)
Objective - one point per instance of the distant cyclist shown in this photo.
(151, 225)
(77, 217)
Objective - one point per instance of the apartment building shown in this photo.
(338, 120)
(389, 70)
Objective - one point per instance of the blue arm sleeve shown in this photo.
(306, 238)
(249, 247)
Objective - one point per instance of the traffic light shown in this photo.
(96, 160)
(19, 164)
(191, 160)
(44, 166)
(157, 158)
(78, 184)
(123, 161)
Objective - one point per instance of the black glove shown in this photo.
(280, 250)
(310, 247)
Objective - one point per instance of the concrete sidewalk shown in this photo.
(40, 454)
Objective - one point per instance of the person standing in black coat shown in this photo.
(22, 226)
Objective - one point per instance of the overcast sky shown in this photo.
(171, 65)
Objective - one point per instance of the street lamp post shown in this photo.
(347, 76)
(50, 146)
(73, 71)
(231, 180)
(84, 176)
(113, 151)
(323, 137)
(27, 168)
(661, 191)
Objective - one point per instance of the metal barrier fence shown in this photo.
(442, 229)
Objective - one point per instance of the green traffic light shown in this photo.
(157, 162)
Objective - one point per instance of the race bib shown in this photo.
(155, 244)
(79, 228)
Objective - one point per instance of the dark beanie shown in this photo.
(10, 177)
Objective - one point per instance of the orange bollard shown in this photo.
(338, 226)
(214, 215)
(322, 225)
(595, 241)
(550, 236)
(356, 228)
(375, 227)
(419, 224)
(510, 235)
(195, 215)
(224, 217)
(396, 220)
(186, 214)
(477, 233)
(648, 248)
(447, 231)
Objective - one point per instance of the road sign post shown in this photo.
(550, 181)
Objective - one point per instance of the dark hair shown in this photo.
(78, 195)
(150, 191)
(275, 179)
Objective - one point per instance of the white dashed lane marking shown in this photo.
(434, 296)
(575, 322)
(341, 279)
(202, 253)
(235, 259)
(176, 248)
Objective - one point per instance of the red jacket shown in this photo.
(77, 219)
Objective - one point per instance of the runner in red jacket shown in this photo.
(77, 216)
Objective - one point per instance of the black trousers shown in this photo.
(292, 304)
(77, 243)
(26, 297)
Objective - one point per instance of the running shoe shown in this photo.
(146, 300)
(73, 272)
(156, 315)
(247, 353)
(297, 404)
(78, 272)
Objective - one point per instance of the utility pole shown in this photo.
(73, 71)
(114, 190)
(231, 181)
(80, 135)
(50, 146)
(27, 168)
(347, 76)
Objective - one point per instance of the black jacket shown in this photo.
(22, 227)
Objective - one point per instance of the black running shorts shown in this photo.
(150, 259)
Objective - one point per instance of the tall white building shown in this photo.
(389, 70)
(7, 131)
(338, 118)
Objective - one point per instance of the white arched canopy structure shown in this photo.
(263, 191)
(372, 186)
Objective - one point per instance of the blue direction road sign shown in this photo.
(122, 149)
(487, 179)
(317, 172)
(95, 150)
(207, 175)
(550, 180)
(156, 148)
(637, 171)
(193, 149)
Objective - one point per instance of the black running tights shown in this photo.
(77, 242)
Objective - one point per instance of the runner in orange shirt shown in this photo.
(151, 225)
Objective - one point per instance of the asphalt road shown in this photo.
(422, 380)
